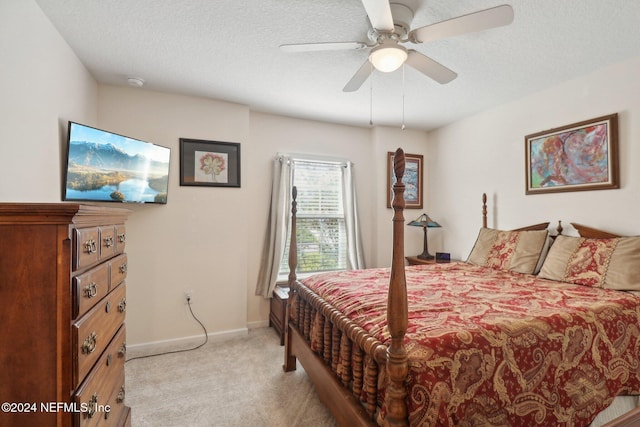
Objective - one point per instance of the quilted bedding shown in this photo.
(489, 347)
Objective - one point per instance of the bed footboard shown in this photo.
(341, 358)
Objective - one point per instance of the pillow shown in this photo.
(612, 263)
(517, 251)
(543, 254)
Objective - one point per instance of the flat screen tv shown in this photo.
(103, 166)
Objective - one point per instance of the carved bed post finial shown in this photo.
(293, 247)
(397, 308)
(559, 227)
(484, 210)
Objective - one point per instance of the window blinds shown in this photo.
(321, 235)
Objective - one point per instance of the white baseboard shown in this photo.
(257, 325)
(155, 347)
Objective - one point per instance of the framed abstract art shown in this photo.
(580, 156)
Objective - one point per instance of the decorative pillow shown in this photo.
(543, 254)
(612, 263)
(517, 251)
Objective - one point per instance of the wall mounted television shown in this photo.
(104, 166)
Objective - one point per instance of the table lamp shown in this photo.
(425, 222)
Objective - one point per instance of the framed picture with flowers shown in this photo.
(209, 163)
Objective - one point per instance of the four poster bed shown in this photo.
(482, 342)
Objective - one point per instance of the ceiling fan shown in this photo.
(390, 29)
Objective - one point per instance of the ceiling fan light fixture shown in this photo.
(388, 56)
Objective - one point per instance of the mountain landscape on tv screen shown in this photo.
(107, 172)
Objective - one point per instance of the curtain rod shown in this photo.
(309, 158)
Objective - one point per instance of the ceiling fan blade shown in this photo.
(314, 47)
(359, 77)
(430, 68)
(379, 13)
(473, 22)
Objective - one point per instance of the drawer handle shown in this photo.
(109, 357)
(89, 344)
(108, 241)
(120, 397)
(123, 305)
(90, 246)
(91, 290)
(123, 268)
(107, 307)
(93, 405)
(121, 238)
(122, 351)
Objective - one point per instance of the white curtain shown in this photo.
(280, 218)
(277, 226)
(355, 259)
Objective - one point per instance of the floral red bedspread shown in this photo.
(489, 347)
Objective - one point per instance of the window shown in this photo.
(321, 235)
(328, 234)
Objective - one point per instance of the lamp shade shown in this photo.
(424, 221)
(388, 56)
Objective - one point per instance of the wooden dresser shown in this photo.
(62, 312)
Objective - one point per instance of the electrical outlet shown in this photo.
(188, 296)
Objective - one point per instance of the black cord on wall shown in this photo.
(206, 339)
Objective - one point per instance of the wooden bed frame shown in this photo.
(343, 403)
(345, 377)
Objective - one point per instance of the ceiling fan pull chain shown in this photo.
(371, 97)
(402, 97)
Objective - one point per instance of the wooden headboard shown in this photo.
(592, 233)
(583, 230)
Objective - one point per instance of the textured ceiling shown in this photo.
(228, 50)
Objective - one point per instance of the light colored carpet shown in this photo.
(238, 382)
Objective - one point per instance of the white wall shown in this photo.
(486, 153)
(198, 240)
(42, 85)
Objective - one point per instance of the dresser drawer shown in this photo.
(121, 238)
(107, 241)
(89, 288)
(116, 404)
(104, 386)
(118, 268)
(93, 332)
(126, 417)
(117, 350)
(86, 248)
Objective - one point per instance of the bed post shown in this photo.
(397, 311)
(293, 246)
(484, 210)
(289, 358)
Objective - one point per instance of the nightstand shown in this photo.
(278, 311)
(414, 260)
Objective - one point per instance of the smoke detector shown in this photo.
(135, 81)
